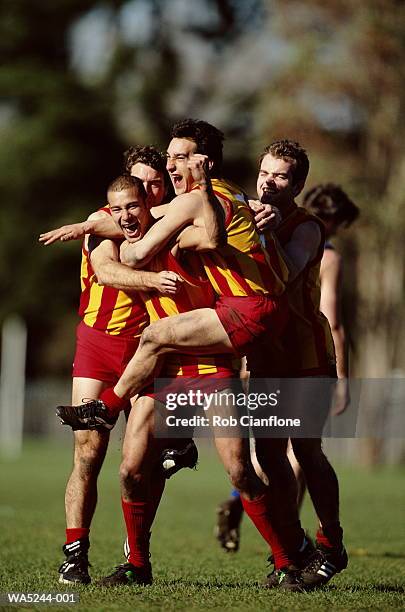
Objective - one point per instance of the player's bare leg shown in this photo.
(196, 332)
(89, 453)
(330, 556)
(234, 454)
(142, 486)
(286, 537)
(81, 490)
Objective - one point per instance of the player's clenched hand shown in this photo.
(198, 164)
(267, 217)
(75, 231)
(168, 283)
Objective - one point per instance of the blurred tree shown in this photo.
(59, 149)
(64, 130)
(340, 91)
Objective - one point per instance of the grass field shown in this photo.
(190, 571)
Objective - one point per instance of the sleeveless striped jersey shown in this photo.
(242, 267)
(195, 292)
(106, 309)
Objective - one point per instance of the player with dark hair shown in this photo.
(306, 350)
(331, 204)
(149, 165)
(207, 138)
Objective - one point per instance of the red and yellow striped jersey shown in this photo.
(106, 309)
(242, 267)
(306, 347)
(195, 292)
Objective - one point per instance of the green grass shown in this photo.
(190, 571)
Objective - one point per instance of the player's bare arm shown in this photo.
(112, 273)
(159, 211)
(184, 210)
(98, 223)
(193, 238)
(301, 249)
(213, 209)
(331, 300)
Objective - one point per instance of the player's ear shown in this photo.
(210, 164)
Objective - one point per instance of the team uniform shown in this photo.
(305, 353)
(111, 326)
(106, 339)
(305, 347)
(248, 280)
(195, 292)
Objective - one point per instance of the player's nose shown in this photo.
(170, 164)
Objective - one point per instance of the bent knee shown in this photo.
(89, 457)
(239, 476)
(130, 476)
(158, 336)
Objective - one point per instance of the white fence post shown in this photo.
(12, 385)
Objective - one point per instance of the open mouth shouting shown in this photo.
(177, 180)
(131, 231)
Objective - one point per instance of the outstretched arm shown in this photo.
(99, 223)
(112, 273)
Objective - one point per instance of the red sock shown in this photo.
(137, 523)
(257, 510)
(114, 403)
(330, 536)
(76, 533)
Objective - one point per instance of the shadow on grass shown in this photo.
(198, 584)
(378, 588)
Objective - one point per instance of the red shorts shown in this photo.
(206, 383)
(247, 319)
(101, 356)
